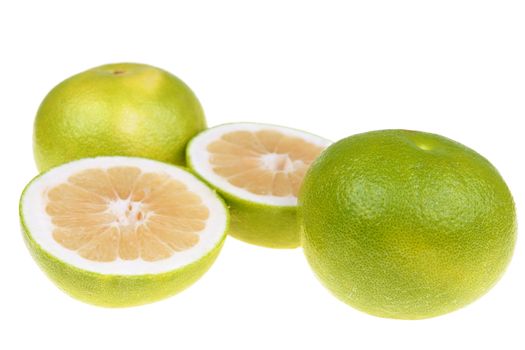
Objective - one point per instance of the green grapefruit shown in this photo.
(122, 109)
(405, 224)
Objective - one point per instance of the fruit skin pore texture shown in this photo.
(406, 224)
(122, 109)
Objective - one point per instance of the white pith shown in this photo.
(126, 211)
(199, 159)
(40, 227)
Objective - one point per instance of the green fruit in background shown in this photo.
(117, 109)
(406, 224)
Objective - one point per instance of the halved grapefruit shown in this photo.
(121, 231)
(258, 169)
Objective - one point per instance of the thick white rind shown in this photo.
(40, 227)
(199, 159)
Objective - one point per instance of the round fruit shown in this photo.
(406, 224)
(119, 231)
(118, 109)
(258, 169)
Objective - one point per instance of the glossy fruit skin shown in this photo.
(405, 224)
(125, 109)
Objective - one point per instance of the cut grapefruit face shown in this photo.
(123, 216)
(259, 163)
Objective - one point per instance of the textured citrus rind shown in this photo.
(406, 239)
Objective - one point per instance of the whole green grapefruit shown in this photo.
(406, 224)
(124, 109)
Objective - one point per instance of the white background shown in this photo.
(455, 68)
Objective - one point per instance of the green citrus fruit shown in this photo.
(406, 224)
(121, 231)
(258, 169)
(117, 109)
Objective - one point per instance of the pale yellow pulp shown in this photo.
(264, 162)
(124, 213)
